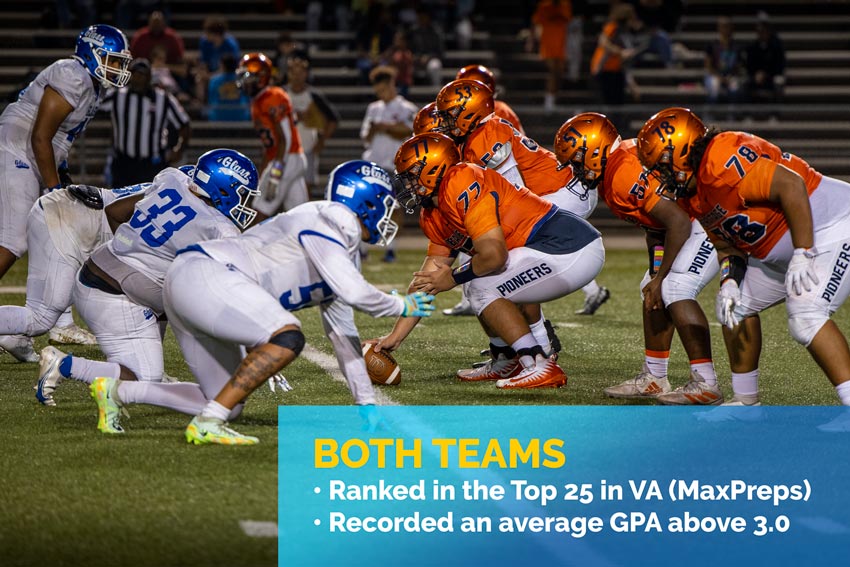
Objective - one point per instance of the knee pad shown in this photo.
(677, 287)
(292, 340)
(806, 324)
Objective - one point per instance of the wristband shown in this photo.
(733, 267)
(463, 273)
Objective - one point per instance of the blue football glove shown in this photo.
(418, 304)
(372, 420)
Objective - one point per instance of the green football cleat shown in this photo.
(105, 393)
(205, 430)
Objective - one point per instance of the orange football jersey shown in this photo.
(270, 106)
(626, 188)
(537, 166)
(472, 201)
(733, 187)
(502, 110)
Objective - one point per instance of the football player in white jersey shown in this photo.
(119, 289)
(235, 292)
(38, 129)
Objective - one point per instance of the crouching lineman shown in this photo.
(225, 294)
(63, 228)
(524, 251)
(782, 233)
(118, 291)
(681, 259)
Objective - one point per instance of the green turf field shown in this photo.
(72, 496)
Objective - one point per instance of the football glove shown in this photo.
(801, 271)
(728, 298)
(417, 304)
(88, 195)
(279, 381)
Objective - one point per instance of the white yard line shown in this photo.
(328, 363)
(258, 529)
(13, 289)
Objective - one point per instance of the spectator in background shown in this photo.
(657, 19)
(613, 50)
(575, 40)
(225, 100)
(550, 20)
(84, 10)
(426, 43)
(388, 122)
(723, 65)
(765, 61)
(286, 45)
(215, 42)
(144, 118)
(317, 118)
(374, 37)
(158, 34)
(160, 71)
(400, 57)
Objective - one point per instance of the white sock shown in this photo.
(843, 391)
(525, 341)
(706, 370)
(591, 289)
(185, 397)
(15, 320)
(215, 410)
(497, 341)
(657, 365)
(65, 319)
(540, 335)
(746, 383)
(86, 370)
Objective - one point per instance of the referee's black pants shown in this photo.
(129, 171)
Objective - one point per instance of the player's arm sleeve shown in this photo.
(338, 322)
(332, 261)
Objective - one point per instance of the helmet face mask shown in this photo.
(664, 146)
(462, 105)
(366, 189)
(409, 191)
(584, 142)
(421, 162)
(104, 52)
(229, 180)
(253, 74)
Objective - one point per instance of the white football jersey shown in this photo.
(73, 82)
(169, 218)
(307, 257)
(75, 229)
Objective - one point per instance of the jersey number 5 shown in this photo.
(177, 218)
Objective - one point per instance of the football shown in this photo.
(382, 367)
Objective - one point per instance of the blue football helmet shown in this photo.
(366, 189)
(229, 180)
(104, 51)
(188, 170)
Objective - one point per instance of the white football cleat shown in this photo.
(740, 400)
(19, 346)
(49, 377)
(71, 335)
(643, 385)
(695, 393)
(497, 369)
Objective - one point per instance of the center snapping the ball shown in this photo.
(381, 366)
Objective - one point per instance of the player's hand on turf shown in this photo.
(728, 298)
(435, 281)
(652, 295)
(801, 271)
(418, 304)
(279, 381)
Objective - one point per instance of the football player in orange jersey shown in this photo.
(782, 233)
(525, 251)
(681, 259)
(466, 113)
(484, 75)
(427, 119)
(282, 183)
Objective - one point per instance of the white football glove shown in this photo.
(728, 298)
(279, 381)
(801, 271)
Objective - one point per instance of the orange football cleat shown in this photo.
(544, 374)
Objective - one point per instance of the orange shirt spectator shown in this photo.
(553, 16)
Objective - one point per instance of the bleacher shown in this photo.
(813, 119)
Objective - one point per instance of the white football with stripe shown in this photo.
(382, 367)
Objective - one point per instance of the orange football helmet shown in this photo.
(478, 73)
(462, 104)
(427, 119)
(254, 73)
(420, 164)
(584, 142)
(664, 144)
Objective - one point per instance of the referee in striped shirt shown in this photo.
(150, 130)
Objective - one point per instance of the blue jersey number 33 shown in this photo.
(174, 217)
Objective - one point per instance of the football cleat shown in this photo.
(592, 303)
(105, 393)
(206, 430)
(743, 401)
(71, 335)
(498, 369)
(49, 377)
(20, 347)
(643, 385)
(544, 374)
(695, 393)
(463, 308)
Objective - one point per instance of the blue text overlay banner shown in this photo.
(566, 485)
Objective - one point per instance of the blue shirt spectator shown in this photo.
(215, 42)
(226, 101)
